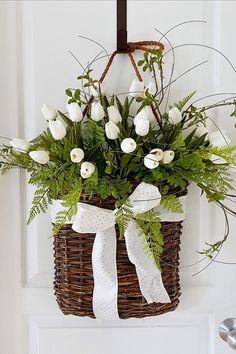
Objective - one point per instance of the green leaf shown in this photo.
(68, 92)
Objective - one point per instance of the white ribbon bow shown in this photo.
(92, 219)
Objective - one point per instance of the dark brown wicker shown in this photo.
(73, 282)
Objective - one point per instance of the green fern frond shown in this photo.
(123, 216)
(39, 204)
(180, 105)
(172, 203)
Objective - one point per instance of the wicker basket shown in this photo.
(73, 282)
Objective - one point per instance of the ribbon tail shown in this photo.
(105, 291)
(150, 280)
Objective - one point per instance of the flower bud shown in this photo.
(75, 112)
(168, 156)
(136, 88)
(76, 155)
(151, 161)
(142, 127)
(112, 130)
(114, 114)
(97, 111)
(49, 112)
(95, 91)
(20, 145)
(128, 145)
(40, 156)
(151, 88)
(87, 169)
(57, 129)
(219, 139)
(158, 153)
(200, 131)
(175, 115)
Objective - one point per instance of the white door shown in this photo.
(36, 67)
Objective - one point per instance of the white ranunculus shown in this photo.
(57, 129)
(112, 130)
(49, 112)
(136, 88)
(142, 127)
(201, 130)
(168, 156)
(40, 156)
(158, 153)
(219, 139)
(114, 115)
(175, 115)
(151, 88)
(128, 145)
(97, 111)
(20, 145)
(76, 155)
(87, 169)
(151, 161)
(75, 112)
(95, 91)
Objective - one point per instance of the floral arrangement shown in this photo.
(104, 145)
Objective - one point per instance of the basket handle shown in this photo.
(131, 47)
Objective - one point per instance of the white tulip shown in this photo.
(20, 145)
(142, 127)
(57, 129)
(151, 88)
(95, 91)
(114, 115)
(87, 169)
(168, 156)
(76, 155)
(200, 131)
(158, 153)
(75, 112)
(128, 145)
(145, 113)
(219, 139)
(49, 112)
(175, 115)
(151, 161)
(136, 88)
(40, 156)
(97, 111)
(112, 130)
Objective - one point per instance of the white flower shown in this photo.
(128, 145)
(40, 156)
(76, 155)
(168, 156)
(151, 161)
(95, 91)
(20, 145)
(158, 153)
(142, 127)
(114, 114)
(87, 169)
(136, 88)
(57, 129)
(175, 115)
(75, 112)
(49, 112)
(112, 130)
(219, 139)
(145, 113)
(97, 111)
(200, 131)
(151, 88)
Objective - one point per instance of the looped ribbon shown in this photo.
(92, 219)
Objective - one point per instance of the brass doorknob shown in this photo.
(227, 331)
